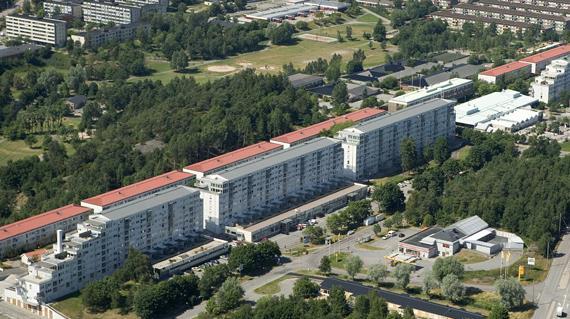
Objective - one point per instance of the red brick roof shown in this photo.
(136, 189)
(549, 54)
(316, 129)
(232, 157)
(506, 68)
(37, 252)
(38, 221)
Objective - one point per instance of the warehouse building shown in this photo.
(100, 245)
(39, 230)
(506, 72)
(284, 222)
(552, 82)
(137, 190)
(310, 132)
(36, 30)
(456, 89)
(261, 187)
(373, 147)
(105, 12)
(120, 33)
(507, 110)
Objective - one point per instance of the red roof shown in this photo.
(37, 252)
(506, 68)
(232, 157)
(548, 55)
(136, 189)
(38, 221)
(316, 129)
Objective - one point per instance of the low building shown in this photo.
(120, 33)
(76, 102)
(196, 256)
(33, 256)
(539, 61)
(8, 53)
(552, 82)
(328, 5)
(285, 221)
(506, 72)
(56, 8)
(301, 80)
(36, 30)
(480, 113)
(39, 230)
(281, 13)
(456, 89)
(104, 12)
(137, 190)
(310, 132)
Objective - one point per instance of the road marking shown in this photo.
(565, 277)
(551, 309)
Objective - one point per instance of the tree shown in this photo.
(390, 198)
(283, 34)
(511, 292)
(227, 298)
(377, 229)
(340, 93)
(452, 288)
(337, 302)
(212, 278)
(402, 275)
(353, 265)
(429, 283)
(379, 32)
(499, 312)
(325, 265)
(377, 273)
(408, 155)
(409, 313)
(31, 140)
(389, 83)
(441, 150)
(179, 60)
(136, 267)
(302, 25)
(315, 234)
(305, 288)
(98, 296)
(349, 32)
(447, 266)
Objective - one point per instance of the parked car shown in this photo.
(401, 235)
(350, 232)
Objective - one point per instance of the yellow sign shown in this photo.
(521, 271)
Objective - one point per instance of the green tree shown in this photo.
(441, 150)
(447, 266)
(315, 234)
(179, 60)
(325, 265)
(283, 34)
(379, 32)
(452, 288)
(408, 155)
(98, 296)
(136, 267)
(228, 297)
(212, 278)
(337, 302)
(340, 93)
(499, 312)
(389, 197)
(353, 265)
(377, 229)
(429, 283)
(511, 292)
(402, 274)
(305, 288)
(378, 273)
(408, 313)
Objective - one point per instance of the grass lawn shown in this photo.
(392, 179)
(462, 153)
(565, 146)
(15, 150)
(466, 256)
(72, 121)
(271, 287)
(534, 274)
(368, 247)
(73, 308)
(367, 18)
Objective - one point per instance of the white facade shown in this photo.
(551, 82)
(65, 8)
(147, 5)
(271, 183)
(455, 88)
(374, 146)
(100, 245)
(105, 12)
(46, 31)
(96, 38)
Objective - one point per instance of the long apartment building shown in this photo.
(455, 88)
(562, 4)
(105, 12)
(39, 230)
(554, 80)
(57, 8)
(96, 38)
(457, 20)
(37, 30)
(100, 245)
(268, 184)
(525, 7)
(159, 6)
(373, 147)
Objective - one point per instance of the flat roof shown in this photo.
(190, 253)
(41, 220)
(315, 129)
(29, 17)
(400, 115)
(401, 299)
(292, 212)
(516, 13)
(548, 55)
(148, 202)
(433, 90)
(505, 68)
(269, 160)
(6, 52)
(232, 157)
(513, 4)
(136, 189)
(416, 239)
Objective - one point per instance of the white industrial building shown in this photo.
(105, 12)
(100, 244)
(506, 110)
(551, 82)
(38, 30)
(265, 185)
(455, 88)
(374, 146)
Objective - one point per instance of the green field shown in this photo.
(533, 274)
(565, 147)
(15, 150)
(73, 308)
(272, 287)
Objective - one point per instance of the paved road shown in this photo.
(556, 290)
(8, 311)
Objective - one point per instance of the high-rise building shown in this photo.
(551, 82)
(38, 30)
(57, 8)
(105, 12)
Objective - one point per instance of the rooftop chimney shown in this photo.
(59, 245)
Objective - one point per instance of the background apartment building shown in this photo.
(100, 245)
(34, 29)
(373, 147)
(456, 88)
(550, 84)
(271, 183)
(54, 9)
(96, 38)
(105, 12)
(147, 5)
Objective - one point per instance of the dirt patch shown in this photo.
(318, 38)
(342, 52)
(221, 68)
(246, 65)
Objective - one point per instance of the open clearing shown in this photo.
(221, 68)
(318, 38)
(15, 150)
